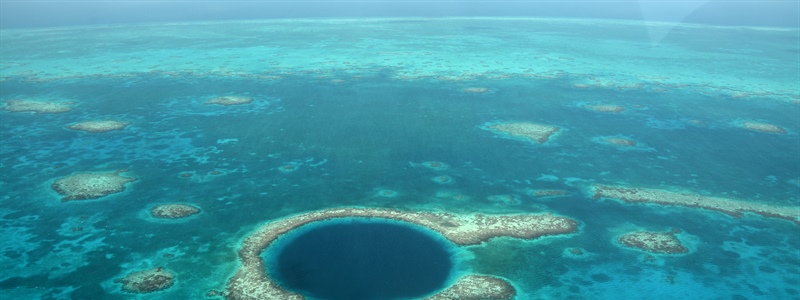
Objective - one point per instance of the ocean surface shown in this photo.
(355, 112)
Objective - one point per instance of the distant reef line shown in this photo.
(730, 206)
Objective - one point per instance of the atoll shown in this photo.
(99, 126)
(84, 186)
(763, 127)
(147, 281)
(537, 133)
(477, 287)
(252, 282)
(173, 211)
(229, 100)
(653, 242)
(732, 207)
(39, 107)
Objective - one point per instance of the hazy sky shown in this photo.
(35, 13)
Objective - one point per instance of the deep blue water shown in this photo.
(362, 260)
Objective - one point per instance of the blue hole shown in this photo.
(363, 260)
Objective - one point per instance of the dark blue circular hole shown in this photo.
(363, 259)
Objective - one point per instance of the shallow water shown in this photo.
(357, 107)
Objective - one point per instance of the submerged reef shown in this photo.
(653, 242)
(618, 141)
(39, 107)
(476, 90)
(436, 165)
(288, 168)
(548, 193)
(147, 281)
(99, 126)
(606, 108)
(173, 211)
(443, 179)
(252, 282)
(732, 207)
(386, 193)
(229, 100)
(763, 127)
(84, 186)
(505, 199)
(575, 251)
(534, 132)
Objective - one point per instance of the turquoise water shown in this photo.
(357, 106)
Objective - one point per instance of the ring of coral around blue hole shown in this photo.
(361, 258)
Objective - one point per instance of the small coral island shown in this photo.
(763, 127)
(229, 100)
(654, 242)
(39, 107)
(252, 282)
(538, 133)
(173, 211)
(85, 186)
(147, 281)
(99, 126)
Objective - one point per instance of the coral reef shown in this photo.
(39, 107)
(436, 165)
(606, 108)
(732, 207)
(173, 211)
(548, 193)
(288, 168)
(84, 186)
(99, 126)
(537, 133)
(147, 281)
(763, 127)
(653, 242)
(618, 141)
(476, 90)
(386, 193)
(443, 179)
(229, 100)
(477, 287)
